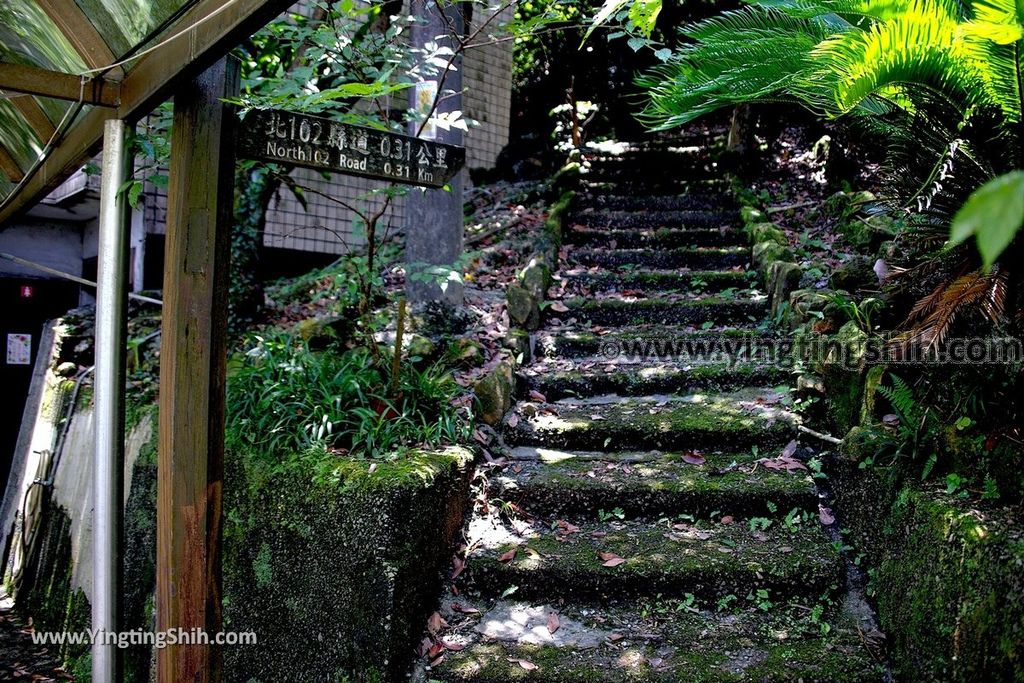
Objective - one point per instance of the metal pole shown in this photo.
(111, 309)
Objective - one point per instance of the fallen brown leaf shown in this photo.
(509, 556)
(553, 622)
(526, 664)
(825, 515)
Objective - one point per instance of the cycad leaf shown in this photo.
(994, 214)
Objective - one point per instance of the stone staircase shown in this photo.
(654, 520)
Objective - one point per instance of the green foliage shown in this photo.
(861, 312)
(993, 215)
(284, 399)
(937, 83)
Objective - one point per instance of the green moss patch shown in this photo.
(706, 258)
(948, 578)
(715, 421)
(336, 569)
(710, 562)
(710, 309)
(709, 280)
(729, 484)
(651, 379)
(658, 238)
(654, 218)
(699, 646)
(575, 343)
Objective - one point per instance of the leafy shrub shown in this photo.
(284, 399)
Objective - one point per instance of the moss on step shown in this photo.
(709, 280)
(708, 309)
(346, 560)
(665, 486)
(640, 380)
(702, 647)
(575, 343)
(706, 200)
(719, 421)
(660, 238)
(948, 576)
(654, 218)
(707, 258)
(710, 562)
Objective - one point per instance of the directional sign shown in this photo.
(324, 145)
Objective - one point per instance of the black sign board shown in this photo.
(314, 142)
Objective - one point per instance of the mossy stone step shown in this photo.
(599, 376)
(710, 560)
(654, 342)
(707, 309)
(658, 642)
(662, 280)
(580, 484)
(659, 238)
(702, 200)
(721, 421)
(664, 186)
(711, 258)
(611, 218)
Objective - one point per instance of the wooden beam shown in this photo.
(79, 31)
(36, 117)
(9, 166)
(32, 80)
(150, 81)
(193, 359)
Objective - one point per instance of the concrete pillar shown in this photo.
(433, 218)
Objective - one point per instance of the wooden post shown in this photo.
(192, 367)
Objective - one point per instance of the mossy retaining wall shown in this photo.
(947, 578)
(337, 575)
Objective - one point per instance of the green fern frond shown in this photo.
(901, 396)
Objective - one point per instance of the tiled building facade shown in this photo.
(325, 225)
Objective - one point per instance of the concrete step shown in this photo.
(710, 309)
(724, 421)
(655, 188)
(566, 378)
(566, 561)
(655, 238)
(594, 280)
(659, 342)
(690, 201)
(653, 219)
(697, 258)
(658, 281)
(651, 485)
(669, 640)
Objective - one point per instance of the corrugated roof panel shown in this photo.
(125, 23)
(17, 136)
(29, 36)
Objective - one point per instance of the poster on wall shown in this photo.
(19, 349)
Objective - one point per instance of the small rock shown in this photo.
(523, 307)
(494, 393)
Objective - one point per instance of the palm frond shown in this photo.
(940, 310)
(752, 54)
